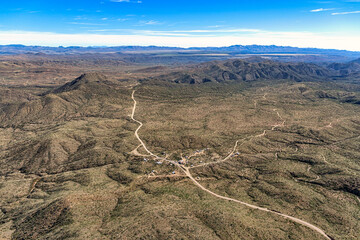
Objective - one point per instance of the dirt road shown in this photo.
(309, 225)
(140, 125)
(188, 174)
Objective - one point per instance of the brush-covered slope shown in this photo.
(89, 95)
(345, 69)
(240, 70)
(72, 167)
(68, 128)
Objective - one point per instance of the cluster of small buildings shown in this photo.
(181, 162)
(201, 150)
(235, 154)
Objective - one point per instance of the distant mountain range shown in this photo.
(260, 69)
(232, 50)
(346, 68)
(240, 70)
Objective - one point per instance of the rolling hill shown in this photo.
(243, 70)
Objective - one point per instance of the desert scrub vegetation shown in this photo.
(74, 155)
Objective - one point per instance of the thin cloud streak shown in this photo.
(152, 32)
(150, 22)
(125, 1)
(321, 10)
(88, 24)
(345, 13)
(219, 30)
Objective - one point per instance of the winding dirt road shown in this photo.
(140, 126)
(309, 225)
(188, 174)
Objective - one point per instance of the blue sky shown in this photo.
(326, 24)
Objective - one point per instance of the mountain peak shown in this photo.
(356, 61)
(83, 80)
(91, 77)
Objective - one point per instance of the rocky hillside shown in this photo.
(346, 68)
(50, 133)
(240, 70)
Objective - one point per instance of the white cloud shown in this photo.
(215, 26)
(345, 13)
(196, 32)
(86, 23)
(322, 9)
(126, 1)
(149, 22)
(241, 30)
(296, 39)
(122, 19)
(80, 18)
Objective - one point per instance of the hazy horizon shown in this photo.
(164, 46)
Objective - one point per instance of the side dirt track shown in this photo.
(186, 171)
